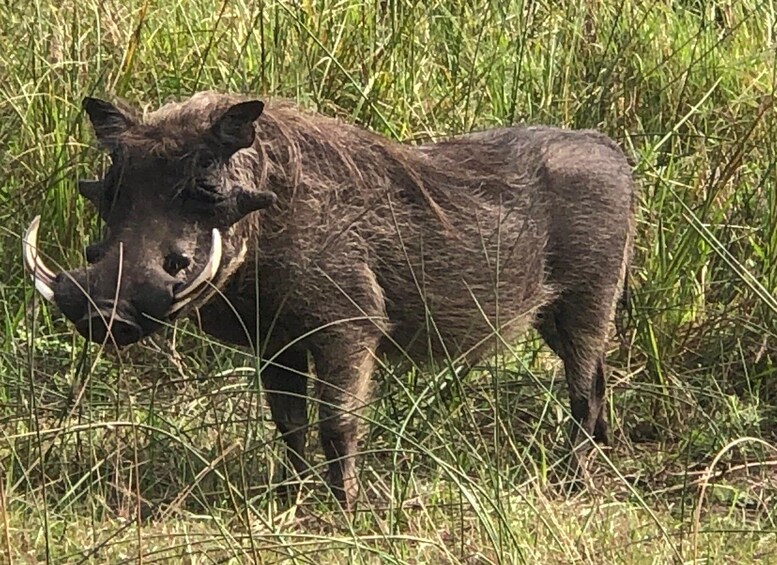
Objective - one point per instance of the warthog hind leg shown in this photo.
(577, 333)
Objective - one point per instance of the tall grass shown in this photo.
(166, 451)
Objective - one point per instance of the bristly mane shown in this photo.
(295, 146)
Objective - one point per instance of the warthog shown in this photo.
(295, 234)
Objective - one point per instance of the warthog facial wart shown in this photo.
(297, 235)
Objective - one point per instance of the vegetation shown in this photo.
(164, 452)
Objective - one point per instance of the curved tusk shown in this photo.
(42, 276)
(191, 290)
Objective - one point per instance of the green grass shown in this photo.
(163, 454)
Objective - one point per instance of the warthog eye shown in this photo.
(202, 197)
(175, 263)
(206, 192)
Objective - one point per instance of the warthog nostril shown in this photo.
(123, 331)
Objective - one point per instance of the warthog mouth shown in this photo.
(45, 279)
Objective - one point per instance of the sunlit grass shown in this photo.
(167, 451)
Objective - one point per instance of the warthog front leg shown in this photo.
(285, 383)
(343, 390)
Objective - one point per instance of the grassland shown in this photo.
(164, 453)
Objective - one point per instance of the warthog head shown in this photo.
(170, 191)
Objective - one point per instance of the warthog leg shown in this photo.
(343, 390)
(285, 383)
(576, 330)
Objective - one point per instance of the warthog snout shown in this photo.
(98, 323)
(126, 315)
(105, 303)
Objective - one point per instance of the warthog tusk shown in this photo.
(193, 289)
(42, 276)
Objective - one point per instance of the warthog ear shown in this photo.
(107, 120)
(234, 130)
(92, 190)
